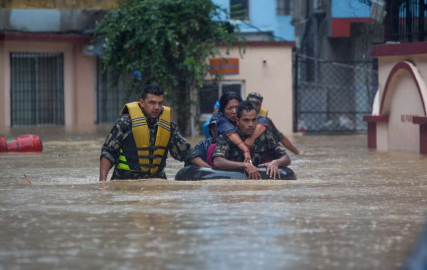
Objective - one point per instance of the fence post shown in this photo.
(295, 89)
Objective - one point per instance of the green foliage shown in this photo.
(168, 40)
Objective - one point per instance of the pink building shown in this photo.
(47, 68)
(399, 118)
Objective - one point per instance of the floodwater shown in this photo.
(351, 208)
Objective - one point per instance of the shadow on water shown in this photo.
(350, 209)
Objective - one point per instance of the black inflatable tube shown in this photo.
(191, 173)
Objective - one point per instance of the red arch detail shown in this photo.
(396, 68)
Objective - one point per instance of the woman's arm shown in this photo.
(235, 138)
(287, 143)
(260, 129)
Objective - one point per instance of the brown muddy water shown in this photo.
(351, 208)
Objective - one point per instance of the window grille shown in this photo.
(239, 10)
(111, 101)
(408, 20)
(211, 92)
(37, 89)
(208, 95)
(284, 7)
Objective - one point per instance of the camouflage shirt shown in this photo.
(272, 127)
(265, 145)
(178, 147)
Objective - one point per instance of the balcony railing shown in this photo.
(407, 20)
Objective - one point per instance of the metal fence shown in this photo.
(408, 20)
(332, 96)
(37, 89)
(110, 101)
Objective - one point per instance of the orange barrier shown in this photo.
(25, 143)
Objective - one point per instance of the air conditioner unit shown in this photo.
(378, 10)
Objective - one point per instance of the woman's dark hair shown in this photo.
(226, 98)
(151, 89)
(245, 105)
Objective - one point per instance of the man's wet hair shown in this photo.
(151, 89)
(245, 106)
(226, 98)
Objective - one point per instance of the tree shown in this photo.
(167, 42)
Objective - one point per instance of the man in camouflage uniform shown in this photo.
(257, 99)
(151, 105)
(228, 156)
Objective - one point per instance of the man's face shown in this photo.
(230, 110)
(152, 105)
(247, 122)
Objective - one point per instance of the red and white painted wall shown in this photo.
(399, 118)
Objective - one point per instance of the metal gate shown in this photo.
(37, 89)
(110, 101)
(332, 96)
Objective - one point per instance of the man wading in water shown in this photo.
(139, 143)
(228, 156)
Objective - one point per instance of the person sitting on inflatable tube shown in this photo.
(228, 156)
(203, 146)
(256, 99)
(206, 126)
(226, 123)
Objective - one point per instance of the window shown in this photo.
(208, 95)
(235, 87)
(239, 10)
(111, 101)
(284, 7)
(211, 92)
(37, 88)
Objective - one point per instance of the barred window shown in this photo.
(284, 7)
(239, 10)
(37, 88)
(111, 101)
(211, 92)
(208, 95)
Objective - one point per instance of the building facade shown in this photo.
(47, 70)
(398, 121)
(50, 71)
(265, 20)
(266, 68)
(266, 65)
(335, 75)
